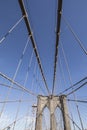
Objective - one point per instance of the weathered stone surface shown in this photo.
(52, 102)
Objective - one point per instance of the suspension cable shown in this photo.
(74, 122)
(16, 72)
(81, 101)
(21, 58)
(61, 68)
(64, 84)
(57, 41)
(17, 84)
(36, 79)
(34, 72)
(33, 42)
(77, 89)
(66, 62)
(14, 101)
(38, 82)
(27, 115)
(8, 86)
(60, 119)
(71, 85)
(74, 34)
(13, 123)
(71, 116)
(5, 36)
(22, 94)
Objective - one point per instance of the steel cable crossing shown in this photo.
(17, 66)
(73, 121)
(57, 41)
(17, 84)
(8, 86)
(41, 66)
(63, 76)
(22, 94)
(24, 13)
(64, 79)
(70, 78)
(13, 79)
(15, 74)
(13, 123)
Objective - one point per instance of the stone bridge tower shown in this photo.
(52, 102)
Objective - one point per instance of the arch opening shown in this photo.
(46, 119)
(59, 119)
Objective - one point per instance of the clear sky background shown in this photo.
(42, 16)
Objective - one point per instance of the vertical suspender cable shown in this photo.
(72, 85)
(64, 83)
(16, 72)
(22, 94)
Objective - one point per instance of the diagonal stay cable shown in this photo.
(17, 84)
(77, 89)
(57, 41)
(27, 115)
(15, 74)
(24, 13)
(71, 115)
(22, 117)
(4, 37)
(9, 86)
(22, 94)
(74, 34)
(73, 122)
(73, 85)
(80, 101)
(14, 101)
(70, 78)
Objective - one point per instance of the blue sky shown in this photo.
(42, 16)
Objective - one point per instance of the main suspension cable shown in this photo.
(57, 41)
(24, 13)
